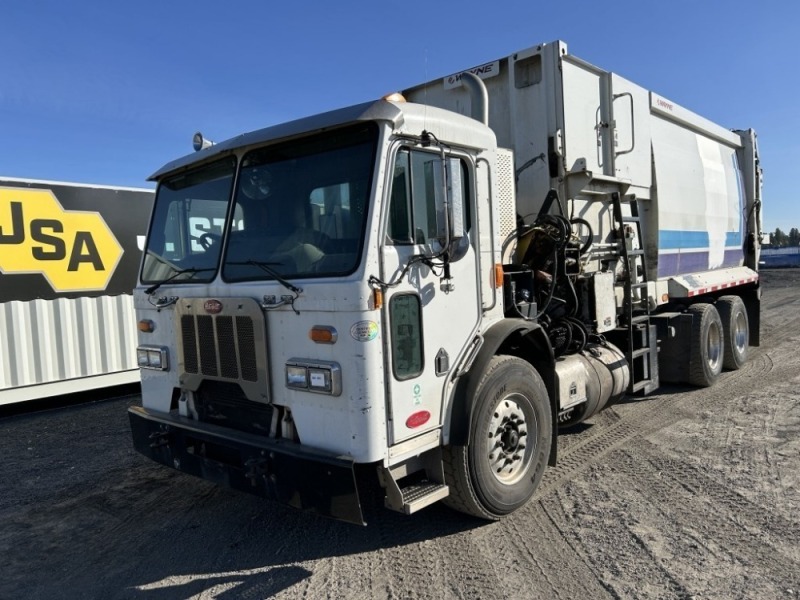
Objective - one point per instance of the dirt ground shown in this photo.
(684, 494)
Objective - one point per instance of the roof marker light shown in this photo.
(394, 97)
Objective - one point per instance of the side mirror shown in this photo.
(449, 194)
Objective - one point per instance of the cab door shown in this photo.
(432, 302)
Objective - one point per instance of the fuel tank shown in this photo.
(589, 381)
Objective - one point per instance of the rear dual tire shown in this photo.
(706, 345)
(720, 339)
(736, 330)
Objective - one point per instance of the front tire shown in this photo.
(510, 438)
(706, 350)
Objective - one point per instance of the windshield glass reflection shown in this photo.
(187, 224)
(301, 207)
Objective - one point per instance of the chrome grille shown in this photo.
(189, 339)
(222, 349)
(229, 346)
(208, 350)
(247, 348)
(228, 365)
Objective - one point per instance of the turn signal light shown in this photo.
(146, 326)
(323, 334)
(498, 275)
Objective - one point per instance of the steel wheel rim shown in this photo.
(740, 333)
(714, 346)
(511, 440)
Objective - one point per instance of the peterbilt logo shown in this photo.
(212, 307)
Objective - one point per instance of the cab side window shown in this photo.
(400, 227)
(416, 181)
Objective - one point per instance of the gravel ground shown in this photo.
(684, 494)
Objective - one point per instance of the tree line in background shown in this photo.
(781, 240)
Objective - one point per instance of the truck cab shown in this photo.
(316, 289)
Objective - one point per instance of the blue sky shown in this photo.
(91, 92)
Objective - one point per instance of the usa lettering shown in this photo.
(48, 233)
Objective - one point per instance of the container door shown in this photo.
(631, 115)
(586, 135)
(606, 124)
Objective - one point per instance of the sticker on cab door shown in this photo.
(364, 331)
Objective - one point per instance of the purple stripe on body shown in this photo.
(685, 263)
(733, 258)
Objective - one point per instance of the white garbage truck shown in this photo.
(429, 286)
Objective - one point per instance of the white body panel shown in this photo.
(700, 201)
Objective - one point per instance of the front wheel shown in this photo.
(510, 438)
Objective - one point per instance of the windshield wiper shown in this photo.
(267, 268)
(149, 291)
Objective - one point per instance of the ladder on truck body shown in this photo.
(641, 349)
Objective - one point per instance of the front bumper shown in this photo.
(283, 471)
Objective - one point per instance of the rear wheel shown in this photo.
(706, 353)
(510, 437)
(736, 329)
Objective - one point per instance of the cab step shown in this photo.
(414, 484)
(420, 495)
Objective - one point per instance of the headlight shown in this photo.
(320, 376)
(296, 377)
(152, 357)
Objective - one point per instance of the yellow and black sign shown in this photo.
(76, 250)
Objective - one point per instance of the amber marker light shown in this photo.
(498, 275)
(395, 97)
(323, 334)
(377, 298)
(147, 326)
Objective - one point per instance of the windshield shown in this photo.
(188, 220)
(302, 207)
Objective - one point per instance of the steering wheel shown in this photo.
(316, 239)
(208, 239)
